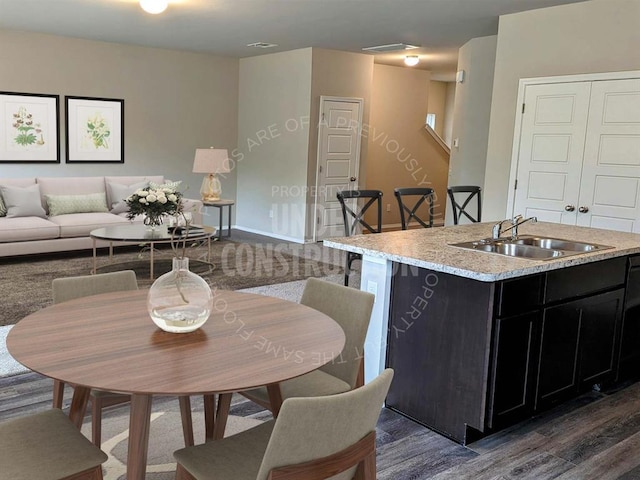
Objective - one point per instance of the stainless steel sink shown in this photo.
(531, 247)
(559, 244)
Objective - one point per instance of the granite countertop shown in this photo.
(430, 248)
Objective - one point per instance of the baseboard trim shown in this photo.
(269, 234)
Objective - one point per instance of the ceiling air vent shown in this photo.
(262, 45)
(392, 47)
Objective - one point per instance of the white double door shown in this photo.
(579, 154)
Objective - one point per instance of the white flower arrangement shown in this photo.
(154, 203)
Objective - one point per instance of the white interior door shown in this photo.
(339, 137)
(610, 191)
(551, 151)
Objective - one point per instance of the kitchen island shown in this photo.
(480, 341)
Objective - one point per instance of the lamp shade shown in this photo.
(211, 160)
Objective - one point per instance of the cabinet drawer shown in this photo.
(581, 280)
(519, 295)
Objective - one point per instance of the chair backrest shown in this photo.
(459, 207)
(309, 428)
(75, 287)
(410, 200)
(351, 309)
(354, 218)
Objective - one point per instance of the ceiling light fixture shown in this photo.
(411, 60)
(154, 6)
(392, 47)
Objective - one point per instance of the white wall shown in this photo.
(174, 101)
(589, 37)
(471, 115)
(273, 142)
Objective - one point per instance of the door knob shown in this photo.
(569, 208)
(352, 179)
(583, 209)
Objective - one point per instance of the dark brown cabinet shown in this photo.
(486, 355)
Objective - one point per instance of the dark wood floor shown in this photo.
(596, 436)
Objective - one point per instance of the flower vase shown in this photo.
(152, 221)
(180, 301)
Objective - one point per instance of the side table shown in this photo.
(220, 204)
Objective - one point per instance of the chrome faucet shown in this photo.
(515, 223)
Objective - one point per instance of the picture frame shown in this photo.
(94, 130)
(29, 128)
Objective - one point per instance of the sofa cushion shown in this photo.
(20, 229)
(118, 192)
(62, 204)
(70, 186)
(123, 180)
(81, 224)
(22, 201)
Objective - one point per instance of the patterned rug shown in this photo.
(26, 282)
(165, 436)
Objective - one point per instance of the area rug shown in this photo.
(26, 282)
(165, 436)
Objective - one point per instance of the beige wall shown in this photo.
(174, 101)
(273, 137)
(339, 74)
(401, 152)
(472, 107)
(589, 37)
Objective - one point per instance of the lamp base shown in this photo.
(211, 189)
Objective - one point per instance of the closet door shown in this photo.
(551, 151)
(610, 190)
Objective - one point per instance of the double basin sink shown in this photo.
(532, 247)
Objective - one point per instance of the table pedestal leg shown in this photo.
(139, 422)
(93, 272)
(79, 405)
(275, 398)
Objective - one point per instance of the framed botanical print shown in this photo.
(29, 129)
(94, 130)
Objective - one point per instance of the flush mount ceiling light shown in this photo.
(262, 45)
(392, 47)
(411, 60)
(154, 6)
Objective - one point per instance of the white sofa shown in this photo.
(23, 232)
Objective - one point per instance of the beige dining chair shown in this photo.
(65, 289)
(47, 446)
(351, 309)
(312, 438)
(70, 288)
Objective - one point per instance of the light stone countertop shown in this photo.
(429, 248)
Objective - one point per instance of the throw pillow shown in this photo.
(118, 193)
(3, 209)
(62, 204)
(22, 201)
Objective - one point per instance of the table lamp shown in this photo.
(211, 161)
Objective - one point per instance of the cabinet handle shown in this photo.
(353, 179)
(569, 208)
(583, 209)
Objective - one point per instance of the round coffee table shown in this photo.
(138, 233)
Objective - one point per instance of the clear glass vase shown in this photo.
(179, 301)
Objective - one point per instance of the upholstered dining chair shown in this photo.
(69, 288)
(410, 200)
(351, 309)
(312, 438)
(461, 196)
(47, 446)
(354, 218)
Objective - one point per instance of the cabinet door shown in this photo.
(513, 372)
(559, 341)
(577, 346)
(600, 318)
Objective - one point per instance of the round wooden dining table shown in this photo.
(109, 342)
